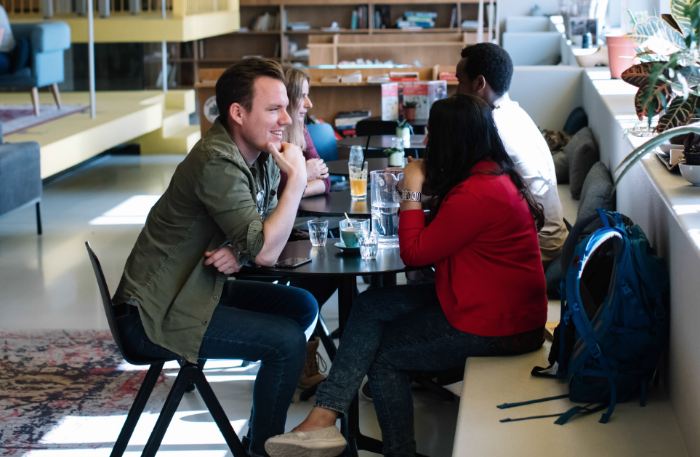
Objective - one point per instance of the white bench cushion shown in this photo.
(489, 381)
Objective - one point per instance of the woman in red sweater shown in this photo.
(489, 293)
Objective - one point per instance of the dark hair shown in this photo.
(237, 83)
(461, 134)
(490, 61)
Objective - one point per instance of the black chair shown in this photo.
(189, 374)
(373, 127)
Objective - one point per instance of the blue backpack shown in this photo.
(618, 337)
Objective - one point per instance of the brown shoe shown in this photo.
(311, 375)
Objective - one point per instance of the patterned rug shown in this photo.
(47, 376)
(16, 118)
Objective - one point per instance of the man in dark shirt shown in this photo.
(219, 211)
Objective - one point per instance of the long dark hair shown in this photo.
(461, 134)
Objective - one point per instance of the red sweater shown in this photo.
(483, 242)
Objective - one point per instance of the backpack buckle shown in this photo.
(595, 351)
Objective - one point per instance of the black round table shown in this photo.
(336, 204)
(340, 167)
(380, 142)
(331, 261)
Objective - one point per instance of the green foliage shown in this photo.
(410, 105)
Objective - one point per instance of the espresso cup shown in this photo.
(349, 236)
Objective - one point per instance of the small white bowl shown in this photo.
(691, 173)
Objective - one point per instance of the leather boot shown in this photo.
(311, 375)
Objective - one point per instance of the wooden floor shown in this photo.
(122, 117)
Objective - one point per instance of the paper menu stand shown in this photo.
(390, 102)
(424, 93)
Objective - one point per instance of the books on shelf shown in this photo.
(263, 23)
(403, 76)
(349, 119)
(413, 19)
(298, 26)
(378, 79)
(447, 76)
(360, 18)
(453, 18)
(470, 24)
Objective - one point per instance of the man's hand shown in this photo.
(316, 169)
(290, 159)
(224, 259)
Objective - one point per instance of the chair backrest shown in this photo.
(107, 303)
(371, 127)
(324, 140)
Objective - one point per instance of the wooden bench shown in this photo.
(489, 381)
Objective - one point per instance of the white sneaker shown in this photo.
(327, 442)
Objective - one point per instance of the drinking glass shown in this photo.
(351, 231)
(385, 206)
(358, 179)
(369, 245)
(356, 155)
(318, 231)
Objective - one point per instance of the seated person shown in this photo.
(485, 70)
(219, 211)
(297, 133)
(488, 298)
(14, 55)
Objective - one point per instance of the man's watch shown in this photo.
(410, 196)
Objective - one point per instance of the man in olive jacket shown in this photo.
(220, 211)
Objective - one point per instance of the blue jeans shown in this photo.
(390, 331)
(253, 321)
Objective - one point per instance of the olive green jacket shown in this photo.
(211, 200)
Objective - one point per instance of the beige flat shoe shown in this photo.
(327, 442)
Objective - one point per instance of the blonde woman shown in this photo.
(296, 133)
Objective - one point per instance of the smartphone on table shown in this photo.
(292, 262)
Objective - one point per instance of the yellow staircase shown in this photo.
(176, 135)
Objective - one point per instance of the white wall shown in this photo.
(639, 196)
(547, 93)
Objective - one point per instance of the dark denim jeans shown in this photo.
(393, 330)
(253, 321)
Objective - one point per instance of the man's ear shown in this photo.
(236, 113)
(480, 83)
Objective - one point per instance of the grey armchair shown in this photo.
(20, 177)
(47, 42)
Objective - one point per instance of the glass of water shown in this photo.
(318, 231)
(369, 245)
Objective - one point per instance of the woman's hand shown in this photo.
(316, 169)
(413, 175)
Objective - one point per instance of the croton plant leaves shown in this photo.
(638, 75)
(672, 22)
(661, 96)
(679, 113)
(655, 34)
(678, 13)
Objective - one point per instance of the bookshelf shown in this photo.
(428, 46)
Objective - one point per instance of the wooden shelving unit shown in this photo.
(370, 42)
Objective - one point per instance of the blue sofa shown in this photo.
(47, 42)
(20, 177)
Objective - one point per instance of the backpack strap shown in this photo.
(604, 217)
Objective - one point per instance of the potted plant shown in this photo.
(395, 153)
(404, 130)
(409, 110)
(667, 77)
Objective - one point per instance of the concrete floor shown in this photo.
(46, 282)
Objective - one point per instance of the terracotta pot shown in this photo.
(621, 55)
(409, 113)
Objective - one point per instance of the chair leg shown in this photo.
(217, 412)
(200, 365)
(35, 100)
(39, 231)
(183, 379)
(322, 332)
(56, 95)
(136, 409)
